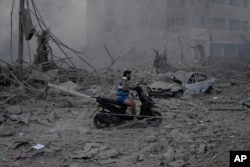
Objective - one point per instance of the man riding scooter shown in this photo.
(113, 112)
(123, 92)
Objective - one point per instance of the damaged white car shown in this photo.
(183, 82)
(164, 89)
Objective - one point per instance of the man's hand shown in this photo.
(133, 87)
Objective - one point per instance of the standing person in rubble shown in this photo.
(123, 92)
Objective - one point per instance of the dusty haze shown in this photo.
(66, 19)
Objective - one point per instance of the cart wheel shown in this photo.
(155, 120)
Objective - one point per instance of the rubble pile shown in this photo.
(57, 129)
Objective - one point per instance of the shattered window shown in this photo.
(192, 79)
(201, 77)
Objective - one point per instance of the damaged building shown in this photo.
(219, 27)
(194, 31)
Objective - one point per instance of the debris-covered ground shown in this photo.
(197, 130)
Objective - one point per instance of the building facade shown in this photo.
(217, 25)
(131, 29)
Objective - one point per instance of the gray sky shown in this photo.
(65, 18)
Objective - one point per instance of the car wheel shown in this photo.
(209, 90)
(178, 94)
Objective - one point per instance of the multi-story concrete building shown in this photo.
(133, 28)
(215, 24)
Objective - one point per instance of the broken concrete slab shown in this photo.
(169, 156)
(14, 109)
(25, 119)
(141, 157)
(106, 162)
(202, 148)
(44, 76)
(85, 154)
(105, 155)
(68, 85)
(5, 132)
(150, 139)
(17, 144)
(177, 163)
(89, 146)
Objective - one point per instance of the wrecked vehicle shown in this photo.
(194, 82)
(164, 89)
(182, 82)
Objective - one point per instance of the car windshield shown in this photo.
(197, 77)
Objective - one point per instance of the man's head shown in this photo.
(127, 74)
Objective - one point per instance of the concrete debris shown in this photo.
(70, 91)
(106, 162)
(177, 163)
(196, 129)
(95, 150)
(50, 75)
(75, 75)
(64, 104)
(179, 155)
(86, 154)
(69, 85)
(25, 119)
(169, 156)
(150, 139)
(141, 157)
(245, 102)
(14, 109)
(105, 155)
(89, 146)
(6, 132)
(202, 149)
